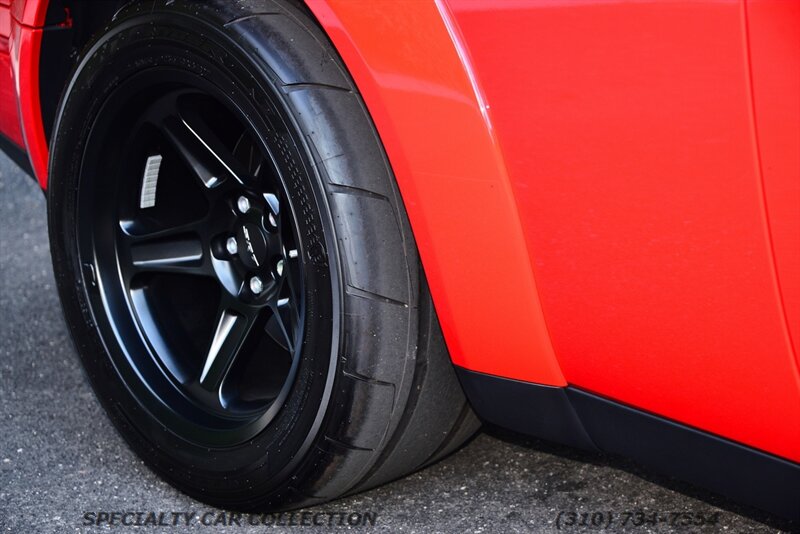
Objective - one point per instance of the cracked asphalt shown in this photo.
(62, 464)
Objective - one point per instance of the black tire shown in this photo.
(373, 395)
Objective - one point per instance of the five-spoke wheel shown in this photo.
(224, 241)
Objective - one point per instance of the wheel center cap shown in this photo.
(252, 245)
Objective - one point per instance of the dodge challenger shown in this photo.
(305, 248)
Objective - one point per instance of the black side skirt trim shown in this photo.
(578, 418)
(533, 409)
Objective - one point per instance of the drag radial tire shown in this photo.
(235, 263)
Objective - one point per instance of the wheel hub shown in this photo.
(254, 252)
(253, 255)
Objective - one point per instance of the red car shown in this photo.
(301, 246)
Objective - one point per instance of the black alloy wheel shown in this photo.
(235, 264)
(204, 281)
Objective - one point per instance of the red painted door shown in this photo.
(629, 134)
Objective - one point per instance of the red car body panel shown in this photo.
(10, 123)
(604, 194)
(774, 38)
(454, 183)
(634, 158)
(625, 134)
(25, 20)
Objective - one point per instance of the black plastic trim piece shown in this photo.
(575, 417)
(533, 409)
(17, 155)
(738, 472)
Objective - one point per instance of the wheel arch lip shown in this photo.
(435, 124)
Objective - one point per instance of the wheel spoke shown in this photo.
(204, 133)
(174, 250)
(279, 325)
(232, 327)
(179, 254)
(286, 310)
(248, 153)
(294, 296)
(201, 148)
(194, 152)
(285, 323)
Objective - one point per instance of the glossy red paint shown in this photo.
(19, 101)
(629, 138)
(453, 180)
(774, 30)
(9, 118)
(29, 12)
(26, 44)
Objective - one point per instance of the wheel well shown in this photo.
(69, 26)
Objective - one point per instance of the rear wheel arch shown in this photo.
(422, 131)
(388, 423)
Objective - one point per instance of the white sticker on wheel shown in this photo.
(149, 182)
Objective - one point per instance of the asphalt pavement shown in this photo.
(63, 468)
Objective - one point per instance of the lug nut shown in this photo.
(279, 268)
(256, 285)
(232, 246)
(243, 204)
(272, 221)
